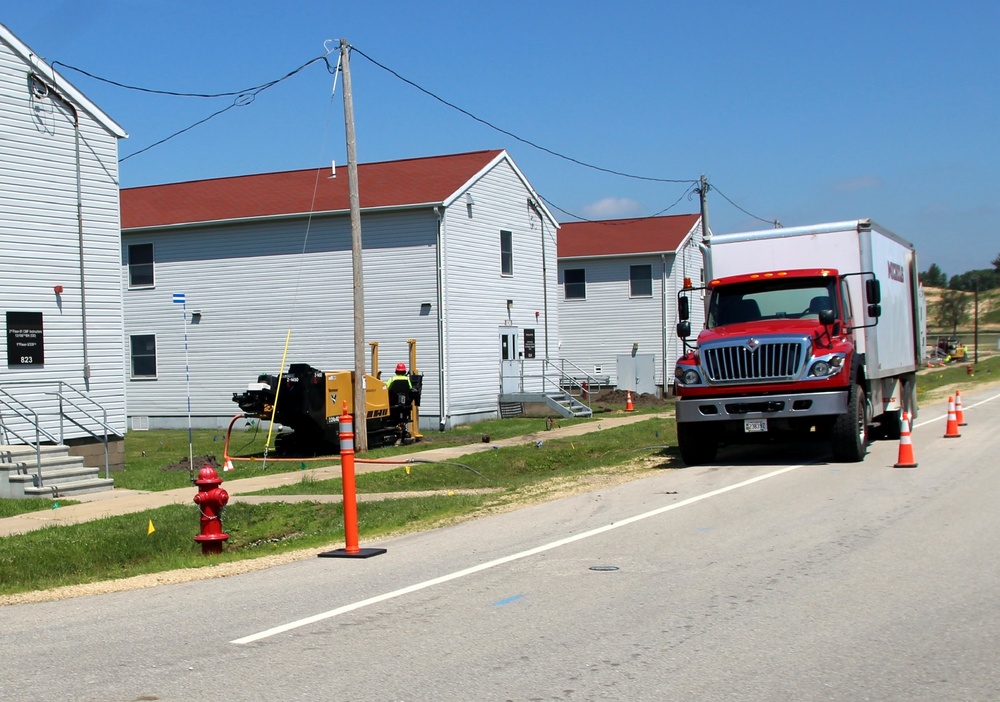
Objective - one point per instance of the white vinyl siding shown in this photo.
(474, 311)
(40, 164)
(617, 315)
(255, 287)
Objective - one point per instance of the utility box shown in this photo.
(637, 373)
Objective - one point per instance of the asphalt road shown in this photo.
(773, 576)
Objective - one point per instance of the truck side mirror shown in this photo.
(873, 292)
(874, 311)
(684, 329)
(683, 310)
(826, 317)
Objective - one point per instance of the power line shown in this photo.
(624, 221)
(242, 98)
(515, 136)
(749, 214)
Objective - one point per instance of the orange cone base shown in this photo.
(905, 465)
(953, 436)
(360, 553)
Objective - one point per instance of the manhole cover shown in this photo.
(604, 568)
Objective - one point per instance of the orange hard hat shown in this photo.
(400, 367)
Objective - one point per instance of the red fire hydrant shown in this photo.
(210, 499)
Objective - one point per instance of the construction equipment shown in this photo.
(309, 402)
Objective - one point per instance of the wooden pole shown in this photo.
(360, 415)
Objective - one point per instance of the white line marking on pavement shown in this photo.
(945, 415)
(508, 559)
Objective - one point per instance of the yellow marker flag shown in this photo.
(151, 528)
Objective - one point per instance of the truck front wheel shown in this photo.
(849, 439)
(696, 443)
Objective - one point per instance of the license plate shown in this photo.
(751, 426)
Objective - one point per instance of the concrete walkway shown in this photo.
(120, 501)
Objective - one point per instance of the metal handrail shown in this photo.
(594, 382)
(69, 397)
(11, 404)
(103, 423)
(552, 379)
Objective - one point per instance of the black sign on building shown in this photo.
(25, 340)
(529, 343)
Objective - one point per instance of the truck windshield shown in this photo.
(796, 298)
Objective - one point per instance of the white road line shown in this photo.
(945, 415)
(507, 559)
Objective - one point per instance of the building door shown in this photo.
(510, 365)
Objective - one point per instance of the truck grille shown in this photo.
(772, 361)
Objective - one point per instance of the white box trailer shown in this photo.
(879, 341)
(895, 345)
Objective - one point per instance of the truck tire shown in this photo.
(696, 443)
(849, 439)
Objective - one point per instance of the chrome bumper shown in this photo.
(719, 409)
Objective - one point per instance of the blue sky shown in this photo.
(795, 111)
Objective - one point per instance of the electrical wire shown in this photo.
(241, 98)
(749, 214)
(625, 221)
(512, 135)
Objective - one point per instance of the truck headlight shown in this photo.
(690, 377)
(826, 367)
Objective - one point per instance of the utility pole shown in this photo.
(706, 234)
(360, 413)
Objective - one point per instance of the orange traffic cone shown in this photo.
(951, 432)
(959, 414)
(628, 401)
(906, 458)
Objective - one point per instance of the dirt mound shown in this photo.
(199, 463)
(620, 397)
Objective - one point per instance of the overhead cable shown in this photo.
(241, 98)
(515, 136)
(749, 214)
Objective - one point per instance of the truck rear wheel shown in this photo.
(696, 443)
(849, 439)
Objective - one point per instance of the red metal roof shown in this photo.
(386, 184)
(617, 237)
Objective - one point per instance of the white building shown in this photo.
(454, 257)
(618, 301)
(60, 268)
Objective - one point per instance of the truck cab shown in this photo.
(778, 355)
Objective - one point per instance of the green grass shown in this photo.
(954, 374)
(119, 547)
(13, 507)
(149, 453)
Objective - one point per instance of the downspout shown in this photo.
(79, 221)
(545, 280)
(440, 320)
(663, 319)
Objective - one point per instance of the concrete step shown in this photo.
(61, 473)
(68, 489)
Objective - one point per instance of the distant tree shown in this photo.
(952, 309)
(934, 277)
(996, 263)
(987, 278)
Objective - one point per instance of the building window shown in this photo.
(575, 284)
(140, 265)
(640, 281)
(143, 354)
(506, 253)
